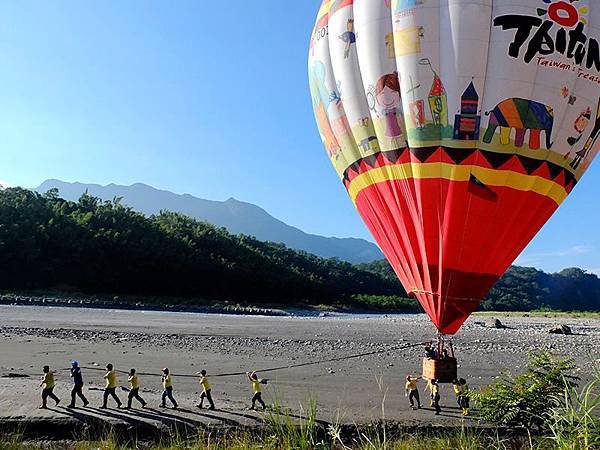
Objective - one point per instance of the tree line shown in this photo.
(104, 247)
(527, 289)
(96, 246)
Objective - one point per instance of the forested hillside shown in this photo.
(102, 247)
(526, 288)
(235, 216)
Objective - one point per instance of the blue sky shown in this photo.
(206, 98)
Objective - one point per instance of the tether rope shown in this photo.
(273, 369)
(270, 369)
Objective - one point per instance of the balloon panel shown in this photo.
(458, 127)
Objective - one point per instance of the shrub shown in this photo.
(527, 399)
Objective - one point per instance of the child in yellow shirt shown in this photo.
(48, 387)
(134, 389)
(111, 386)
(206, 391)
(412, 391)
(167, 383)
(257, 397)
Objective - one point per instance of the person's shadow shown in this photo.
(246, 416)
(203, 413)
(125, 428)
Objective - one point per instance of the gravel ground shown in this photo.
(349, 391)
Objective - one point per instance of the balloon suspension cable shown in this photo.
(444, 345)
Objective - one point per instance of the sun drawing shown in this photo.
(564, 12)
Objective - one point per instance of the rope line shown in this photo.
(270, 369)
(273, 369)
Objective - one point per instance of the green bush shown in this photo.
(528, 399)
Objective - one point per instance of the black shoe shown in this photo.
(57, 402)
(212, 408)
(71, 406)
(103, 407)
(85, 404)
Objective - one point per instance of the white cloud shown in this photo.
(577, 250)
(4, 184)
(536, 258)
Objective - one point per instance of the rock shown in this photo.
(560, 329)
(494, 323)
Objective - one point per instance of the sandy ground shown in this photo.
(350, 391)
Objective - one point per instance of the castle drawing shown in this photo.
(467, 123)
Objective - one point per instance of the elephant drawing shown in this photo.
(522, 115)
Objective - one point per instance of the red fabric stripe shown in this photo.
(448, 244)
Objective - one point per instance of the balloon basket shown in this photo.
(440, 363)
(442, 370)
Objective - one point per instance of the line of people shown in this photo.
(460, 386)
(111, 384)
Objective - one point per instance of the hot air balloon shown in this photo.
(457, 128)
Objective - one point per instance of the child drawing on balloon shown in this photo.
(338, 119)
(387, 95)
(321, 101)
(579, 126)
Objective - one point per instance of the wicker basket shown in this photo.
(443, 370)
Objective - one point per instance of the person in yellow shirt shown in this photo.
(461, 389)
(257, 397)
(457, 391)
(206, 391)
(412, 391)
(167, 383)
(429, 388)
(134, 389)
(464, 396)
(111, 386)
(435, 394)
(48, 387)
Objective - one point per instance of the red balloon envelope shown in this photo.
(457, 128)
